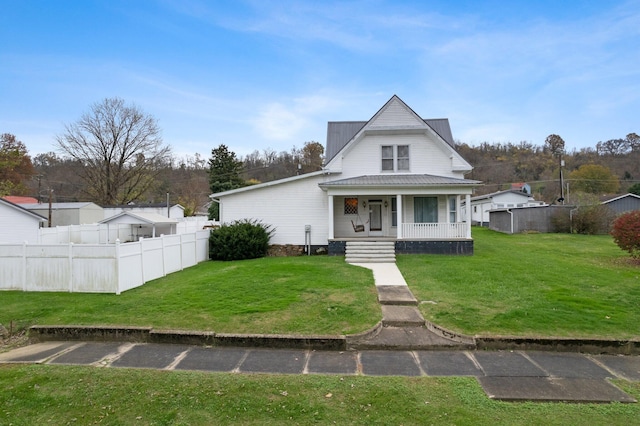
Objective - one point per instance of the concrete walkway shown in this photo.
(402, 325)
(511, 376)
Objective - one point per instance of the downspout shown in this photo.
(219, 209)
(511, 214)
(571, 219)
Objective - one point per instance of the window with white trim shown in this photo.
(452, 209)
(350, 205)
(395, 158)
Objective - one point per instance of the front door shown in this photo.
(375, 217)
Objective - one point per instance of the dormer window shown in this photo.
(395, 158)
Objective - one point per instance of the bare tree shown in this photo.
(120, 148)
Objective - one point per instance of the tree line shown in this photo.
(114, 154)
(611, 167)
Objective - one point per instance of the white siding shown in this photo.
(425, 156)
(395, 114)
(288, 207)
(17, 226)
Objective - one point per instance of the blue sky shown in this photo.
(270, 74)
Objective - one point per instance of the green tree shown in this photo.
(224, 174)
(635, 189)
(594, 179)
(120, 148)
(15, 166)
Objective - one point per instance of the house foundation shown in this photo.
(460, 247)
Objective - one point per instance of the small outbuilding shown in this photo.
(623, 203)
(175, 211)
(143, 225)
(18, 224)
(65, 214)
(481, 205)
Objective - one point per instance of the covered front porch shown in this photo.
(419, 213)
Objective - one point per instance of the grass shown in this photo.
(318, 295)
(521, 285)
(45, 394)
(530, 285)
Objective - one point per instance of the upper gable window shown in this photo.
(395, 158)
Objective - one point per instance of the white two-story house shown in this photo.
(394, 177)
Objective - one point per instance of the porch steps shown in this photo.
(370, 252)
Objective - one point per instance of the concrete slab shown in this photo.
(384, 273)
(448, 363)
(212, 359)
(568, 365)
(401, 316)
(507, 364)
(36, 353)
(325, 362)
(87, 353)
(150, 355)
(405, 338)
(624, 366)
(389, 363)
(274, 361)
(552, 389)
(395, 295)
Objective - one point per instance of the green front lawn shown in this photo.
(318, 295)
(527, 285)
(530, 285)
(60, 395)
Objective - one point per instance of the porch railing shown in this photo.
(434, 231)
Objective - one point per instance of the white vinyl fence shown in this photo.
(98, 268)
(109, 233)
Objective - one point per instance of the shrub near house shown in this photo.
(242, 239)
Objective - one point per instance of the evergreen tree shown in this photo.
(224, 174)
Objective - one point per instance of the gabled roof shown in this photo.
(142, 206)
(266, 184)
(22, 210)
(19, 199)
(493, 194)
(397, 180)
(60, 206)
(139, 217)
(340, 133)
(618, 197)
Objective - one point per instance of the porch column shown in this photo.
(399, 215)
(330, 221)
(468, 203)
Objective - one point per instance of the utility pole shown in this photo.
(561, 180)
(50, 197)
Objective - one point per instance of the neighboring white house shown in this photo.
(143, 225)
(482, 204)
(63, 214)
(395, 177)
(174, 211)
(18, 224)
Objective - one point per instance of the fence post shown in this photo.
(70, 267)
(24, 266)
(117, 255)
(164, 254)
(141, 242)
